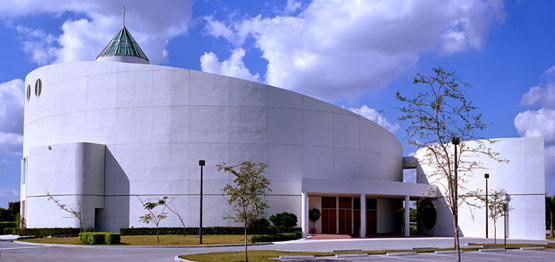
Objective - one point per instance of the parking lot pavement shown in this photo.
(546, 255)
(18, 252)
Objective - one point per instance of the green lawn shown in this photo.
(165, 240)
(267, 255)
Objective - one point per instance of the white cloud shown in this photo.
(152, 24)
(233, 67)
(374, 116)
(543, 95)
(537, 123)
(11, 116)
(541, 122)
(8, 192)
(337, 50)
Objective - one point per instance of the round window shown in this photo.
(429, 215)
(28, 92)
(38, 87)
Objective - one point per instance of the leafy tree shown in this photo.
(74, 212)
(284, 221)
(9, 215)
(247, 196)
(438, 116)
(550, 211)
(155, 218)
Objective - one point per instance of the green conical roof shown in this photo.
(123, 44)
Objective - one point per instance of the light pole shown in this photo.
(505, 209)
(201, 163)
(486, 176)
(456, 141)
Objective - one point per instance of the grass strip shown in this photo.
(165, 240)
(267, 255)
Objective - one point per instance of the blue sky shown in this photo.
(354, 54)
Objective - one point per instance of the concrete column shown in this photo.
(362, 215)
(304, 214)
(407, 216)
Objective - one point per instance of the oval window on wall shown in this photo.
(28, 92)
(38, 87)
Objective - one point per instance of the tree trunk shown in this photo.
(457, 244)
(246, 258)
(157, 235)
(551, 227)
(495, 232)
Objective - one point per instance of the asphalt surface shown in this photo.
(21, 252)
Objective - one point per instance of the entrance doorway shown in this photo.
(371, 216)
(329, 215)
(341, 215)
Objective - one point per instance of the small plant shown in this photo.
(151, 216)
(314, 215)
(284, 221)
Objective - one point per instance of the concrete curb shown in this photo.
(402, 254)
(177, 259)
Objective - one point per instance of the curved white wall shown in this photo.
(157, 122)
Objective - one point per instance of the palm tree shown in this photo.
(550, 210)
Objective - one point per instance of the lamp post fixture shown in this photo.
(456, 141)
(201, 163)
(486, 176)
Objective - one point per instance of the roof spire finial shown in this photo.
(123, 15)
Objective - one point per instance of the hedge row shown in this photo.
(97, 238)
(9, 231)
(4, 225)
(43, 232)
(276, 237)
(180, 231)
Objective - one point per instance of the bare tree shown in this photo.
(248, 196)
(496, 199)
(153, 217)
(77, 213)
(174, 210)
(440, 117)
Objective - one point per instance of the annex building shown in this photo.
(103, 133)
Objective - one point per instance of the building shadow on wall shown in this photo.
(115, 214)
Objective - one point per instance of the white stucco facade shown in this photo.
(523, 178)
(100, 135)
(102, 132)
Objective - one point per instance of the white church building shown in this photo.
(104, 133)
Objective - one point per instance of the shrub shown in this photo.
(179, 231)
(90, 229)
(259, 227)
(92, 238)
(284, 221)
(43, 232)
(96, 238)
(4, 225)
(112, 238)
(276, 237)
(8, 231)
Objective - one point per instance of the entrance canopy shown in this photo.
(390, 189)
(345, 210)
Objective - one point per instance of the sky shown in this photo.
(353, 54)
